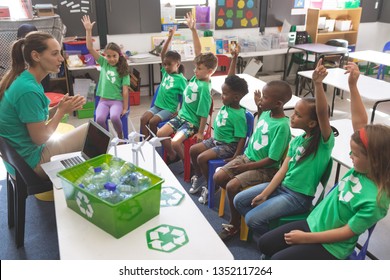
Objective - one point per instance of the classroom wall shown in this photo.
(372, 35)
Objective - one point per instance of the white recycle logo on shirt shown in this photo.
(166, 238)
(84, 205)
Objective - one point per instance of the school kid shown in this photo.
(292, 189)
(114, 81)
(171, 89)
(359, 200)
(265, 150)
(230, 131)
(192, 116)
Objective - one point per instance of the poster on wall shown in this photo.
(231, 14)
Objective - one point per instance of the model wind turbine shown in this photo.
(134, 134)
(114, 143)
(155, 142)
(137, 147)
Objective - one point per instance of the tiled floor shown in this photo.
(379, 243)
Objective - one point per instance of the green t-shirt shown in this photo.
(269, 139)
(110, 83)
(170, 90)
(23, 102)
(304, 177)
(230, 124)
(196, 101)
(354, 202)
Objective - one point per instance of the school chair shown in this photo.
(124, 118)
(381, 69)
(223, 65)
(26, 182)
(335, 61)
(191, 141)
(213, 164)
(363, 249)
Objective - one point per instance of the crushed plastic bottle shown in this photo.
(138, 180)
(110, 193)
(85, 178)
(119, 175)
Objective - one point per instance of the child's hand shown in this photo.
(236, 51)
(87, 22)
(190, 21)
(257, 97)
(353, 71)
(259, 199)
(199, 137)
(124, 111)
(171, 32)
(295, 237)
(319, 73)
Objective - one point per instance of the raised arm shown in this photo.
(191, 23)
(358, 111)
(171, 32)
(233, 62)
(88, 35)
(322, 108)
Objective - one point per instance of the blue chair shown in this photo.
(124, 118)
(381, 69)
(215, 163)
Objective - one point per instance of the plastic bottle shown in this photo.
(118, 176)
(100, 177)
(110, 193)
(85, 179)
(138, 180)
(125, 191)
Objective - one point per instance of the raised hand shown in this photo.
(353, 71)
(87, 22)
(236, 50)
(319, 73)
(257, 97)
(190, 21)
(171, 32)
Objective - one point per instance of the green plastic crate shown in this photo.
(116, 219)
(85, 113)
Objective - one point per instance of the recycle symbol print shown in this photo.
(166, 238)
(170, 196)
(84, 205)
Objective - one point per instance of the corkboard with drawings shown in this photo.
(231, 14)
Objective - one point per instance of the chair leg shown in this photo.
(10, 202)
(187, 161)
(20, 213)
(244, 230)
(211, 189)
(221, 209)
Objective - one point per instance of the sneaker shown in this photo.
(228, 232)
(196, 184)
(204, 195)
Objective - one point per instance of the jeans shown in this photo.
(282, 202)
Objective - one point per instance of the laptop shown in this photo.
(96, 143)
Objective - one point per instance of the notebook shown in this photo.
(97, 142)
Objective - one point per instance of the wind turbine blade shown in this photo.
(142, 154)
(132, 125)
(150, 131)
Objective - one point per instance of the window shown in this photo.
(183, 7)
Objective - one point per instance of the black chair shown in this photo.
(335, 61)
(25, 183)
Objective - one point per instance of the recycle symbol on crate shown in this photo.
(84, 205)
(166, 238)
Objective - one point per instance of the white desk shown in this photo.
(340, 152)
(80, 239)
(253, 84)
(369, 88)
(372, 56)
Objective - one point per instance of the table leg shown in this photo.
(151, 79)
(285, 64)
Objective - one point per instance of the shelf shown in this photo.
(336, 33)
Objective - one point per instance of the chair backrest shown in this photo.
(337, 43)
(154, 97)
(386, 47)
(332, 61)
(363, 250)
(223, 65)
(250, 119)
(22, 170)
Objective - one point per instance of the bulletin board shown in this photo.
(230, 14)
